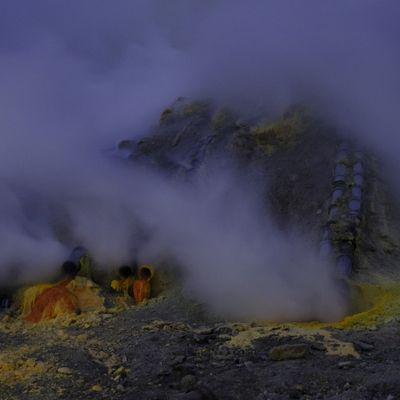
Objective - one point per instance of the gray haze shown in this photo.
(75, 77)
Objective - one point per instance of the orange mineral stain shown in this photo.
(141, 290)
(51, 303)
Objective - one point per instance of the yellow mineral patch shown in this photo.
(374, 304)
(84, 292)
(333, 346)
(52, 303)
(377, 303)
(16, 366)
(84, 320)
(284, 131)
(88, 294)
(27, 296)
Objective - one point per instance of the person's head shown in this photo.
(69, 269)
(125, 271)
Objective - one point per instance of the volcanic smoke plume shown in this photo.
(77, 77)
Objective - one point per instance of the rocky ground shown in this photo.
(167, 349)
(171, 348)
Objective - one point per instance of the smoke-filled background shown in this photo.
(76, 77)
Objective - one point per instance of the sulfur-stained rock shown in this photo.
(96, 388)
(119, 373)
(65, 371)
(288, 352)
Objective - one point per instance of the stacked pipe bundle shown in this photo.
(4, 302)
(339, 235)
(357, 188)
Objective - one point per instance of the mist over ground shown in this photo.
(77, 77)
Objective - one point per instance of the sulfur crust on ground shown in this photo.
(381, 304)
(333, 346)
(133, 346)
(16, 365)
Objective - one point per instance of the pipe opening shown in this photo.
(146, 272)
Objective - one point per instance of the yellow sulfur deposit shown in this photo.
(284, 131)
(378, 303)
(87, 293)
(333, 346)
(122, 285)
(16, 365)
(48, 301)
(27, 297)
(375, 304)
(51, 303)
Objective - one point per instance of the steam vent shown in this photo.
(199, 200)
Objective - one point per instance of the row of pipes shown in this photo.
(345, 208)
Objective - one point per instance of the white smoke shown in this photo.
(235, 258)
(76, 77)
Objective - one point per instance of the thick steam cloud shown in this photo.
(77, 77)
